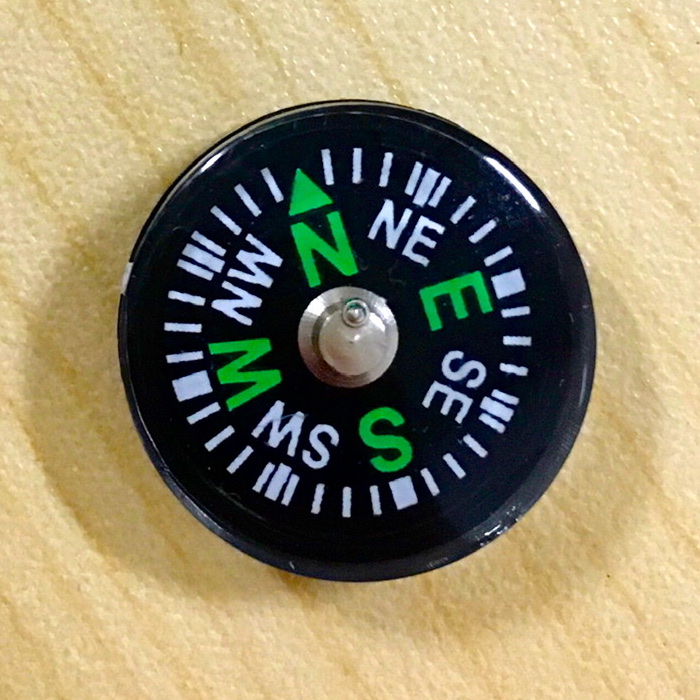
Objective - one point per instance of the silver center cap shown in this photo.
(348, 337)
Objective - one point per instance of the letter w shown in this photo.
(260, 380)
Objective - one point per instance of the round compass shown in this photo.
(357, 341)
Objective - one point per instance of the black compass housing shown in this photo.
(481, 404)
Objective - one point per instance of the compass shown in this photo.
(357, 341)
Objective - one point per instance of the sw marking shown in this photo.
(423, 237)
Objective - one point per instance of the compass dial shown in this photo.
(357, 341)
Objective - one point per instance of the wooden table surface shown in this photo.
(110, 589)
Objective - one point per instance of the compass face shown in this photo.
(357, 341)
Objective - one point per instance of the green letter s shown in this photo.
(384, 441)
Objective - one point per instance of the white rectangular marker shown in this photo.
(426, 187)
(226, 220)
(209, 245)
(508, 283)
(454, 465)
(203, 413)
(386, 169)
(439, 191)
(413, 179)
(513, 369)
(242, 457)
(506, 398)
(187, 298)
(496, 408)
(279, 479)
(356, 166)
(318, 499)
(192, 385)
(474, 446)
(430, 482)
(218, 439)
(264, 476)
(403, 492)
(502, 254)
(272, 185)
(183, 327)
(247, 200)
(203, 258)
(492, 422)
(520, 340)
(462, 209)
(376, 501)
(483, 231)
(289, 491)
(327, 167)
(195, 270)
(184, 357)
(516, 311)
(347, 501)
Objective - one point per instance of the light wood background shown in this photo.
(110, 589)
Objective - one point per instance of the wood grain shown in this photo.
(109, 589)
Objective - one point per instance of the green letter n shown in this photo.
(260, 380)
(307, 197)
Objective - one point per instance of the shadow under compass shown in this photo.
(83, 433)
(94, 463)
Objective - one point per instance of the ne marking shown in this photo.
(203, 413)
(247, 200)
(403, 491)
(219, 438)
(183, 327)
(376, 501)
(226, 220)
(242, 457)
(184, 357)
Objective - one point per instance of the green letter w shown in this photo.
(249, 350)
